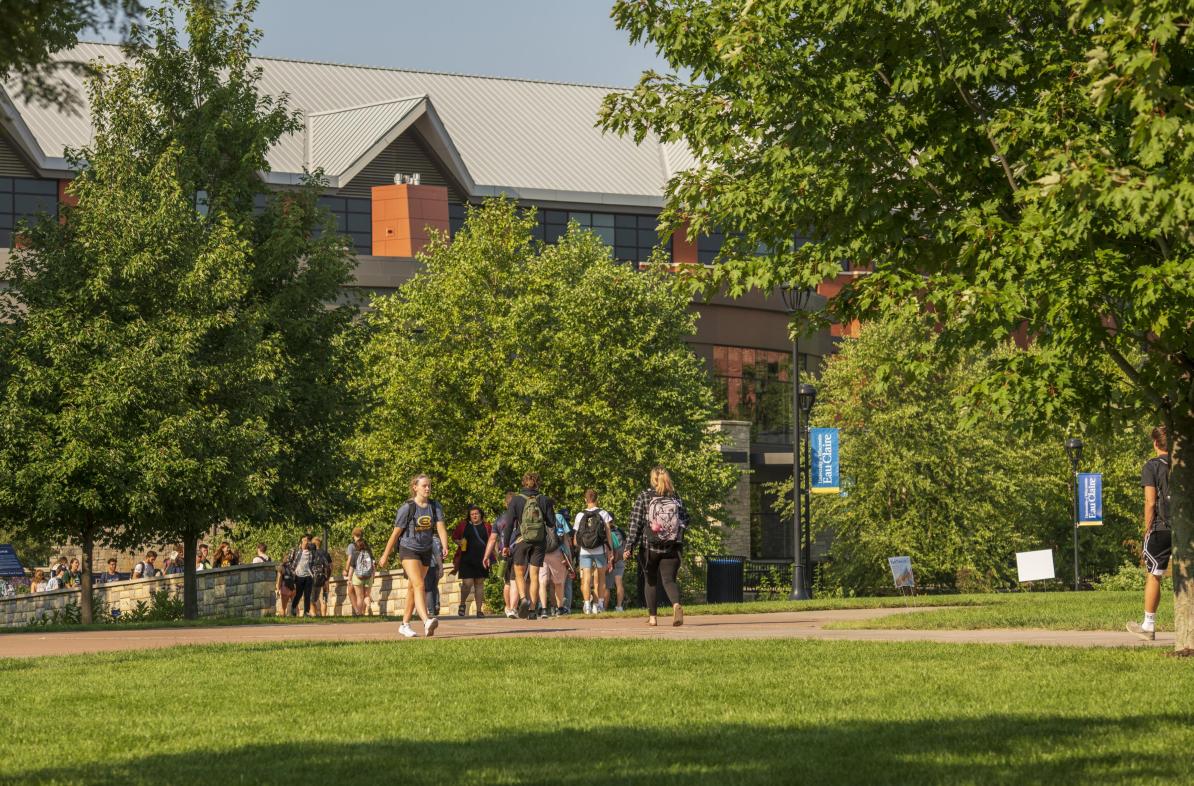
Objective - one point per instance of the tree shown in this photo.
(960, 492)
(503, 356)
(32, 31)
(1012, 166)
(174, 360)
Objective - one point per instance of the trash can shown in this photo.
(723, 579)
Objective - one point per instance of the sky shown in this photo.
(552, 40)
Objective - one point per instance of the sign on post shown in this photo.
(1035, 565)
(1090, 499)
(824, 462)
(901, 571)
(10, 564)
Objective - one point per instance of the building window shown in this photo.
(25, 199)
(354, 218)
(632, 238)
(755, 385)
(456, 216)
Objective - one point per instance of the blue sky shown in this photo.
(556, 40)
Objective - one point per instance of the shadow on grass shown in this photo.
(996, 749)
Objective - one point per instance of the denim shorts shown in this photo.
(592, 561)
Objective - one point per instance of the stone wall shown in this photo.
(242, 591)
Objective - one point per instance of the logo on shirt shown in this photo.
(423, 524)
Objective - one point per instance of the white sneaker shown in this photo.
(407, 631)
(600, 607)
(618, 608)
(588, 607)
(512, 614)
(429, 626)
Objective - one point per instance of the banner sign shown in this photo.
(901, 571)
(10, 565)
(1090, 499)
(1035, 565)
(824, 467)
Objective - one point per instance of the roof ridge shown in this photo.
(417, 97)
(415, 71)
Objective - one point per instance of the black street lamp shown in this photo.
(796, 300)
(1073, 449)
(808, 397)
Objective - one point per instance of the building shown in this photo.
(458, 140)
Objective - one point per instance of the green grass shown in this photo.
(567, 711)
(207, 622)
(1050, 610)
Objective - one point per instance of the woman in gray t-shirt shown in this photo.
(418, 521)
(298, 564)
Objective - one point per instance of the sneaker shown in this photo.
(618, 608)
(461, 611)
(429, 626)
(479, 615)
(565, 610)
(600, 607)
(588, 607)
(524, 608)
(1141, 631)
(532, 616)
(407, 631)
(512, 614)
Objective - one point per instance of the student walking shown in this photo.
(659, 519)
(616, 571)
(493, 549)
(594, 540)
(1158, 538)
(418, 521)
(472, 538)
(321, 571)
(299, 562)
(530, 514)
(359, 570)
(555, 575)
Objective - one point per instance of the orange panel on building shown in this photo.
(404, 217)
(684, 247)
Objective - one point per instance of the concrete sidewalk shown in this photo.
(786, 625)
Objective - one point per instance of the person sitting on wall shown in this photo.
(262, 554)
(176, 566)
(146, 569)
(202, 562)
(112, 575)
(38, 583)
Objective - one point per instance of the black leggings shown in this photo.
(302, 589)
(661, 565)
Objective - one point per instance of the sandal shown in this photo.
(677, 615)
(652, 621)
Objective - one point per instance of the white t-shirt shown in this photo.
(600, 550)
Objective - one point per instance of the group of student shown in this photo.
(540, 549)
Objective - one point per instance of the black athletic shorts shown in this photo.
(508, 573)
(422, 556)
(528, 554)
(1157, 547)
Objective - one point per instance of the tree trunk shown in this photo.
(190, 589)
(85, 598)
(1181, 514)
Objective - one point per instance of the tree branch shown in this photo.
(1007, 170)
(1132, 373)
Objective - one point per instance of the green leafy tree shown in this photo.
(1012, 165)
(958, 490)
(32, 31)
(173, 362)
(503, 355)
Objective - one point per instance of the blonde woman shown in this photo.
(38, 584)
(416, 525)
(659, 519)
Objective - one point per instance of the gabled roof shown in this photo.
(530, 140)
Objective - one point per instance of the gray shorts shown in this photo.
(619, 570)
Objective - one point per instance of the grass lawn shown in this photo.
(1051, 610)
(559, 711)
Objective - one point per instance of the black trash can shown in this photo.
(723, 579)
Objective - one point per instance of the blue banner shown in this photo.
(824, 469)
(10, 565)
(1090, 499)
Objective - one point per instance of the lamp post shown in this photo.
(796, 301)
(808, 397)
(1073, 449)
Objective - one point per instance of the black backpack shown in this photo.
(590, 532)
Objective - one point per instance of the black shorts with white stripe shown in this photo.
(1157, 548)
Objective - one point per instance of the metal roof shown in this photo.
(534, 140)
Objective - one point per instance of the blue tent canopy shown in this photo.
(10, 564)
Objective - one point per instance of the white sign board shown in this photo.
(901, 571)
(1035, 565)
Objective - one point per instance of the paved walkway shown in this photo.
(787, 625)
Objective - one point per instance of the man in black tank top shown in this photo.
(1158, 540)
